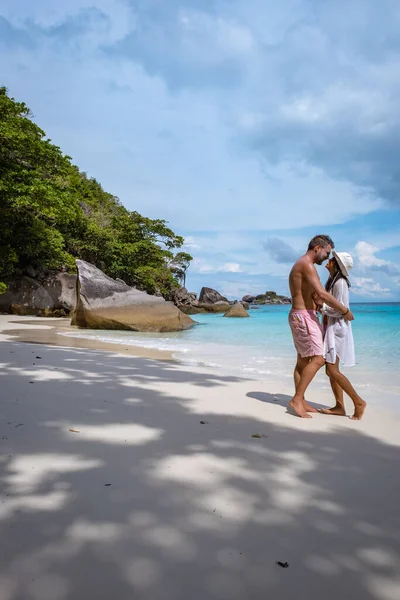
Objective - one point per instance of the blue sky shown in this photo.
(249, 125)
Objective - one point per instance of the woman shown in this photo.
(338, 337)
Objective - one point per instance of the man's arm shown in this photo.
(311, 275)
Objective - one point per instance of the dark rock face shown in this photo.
(237, 310)
(42, 293)
(188, 303)
(248, 298)
(182, 296)
(104, 303)
(210, 296)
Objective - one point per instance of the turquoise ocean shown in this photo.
(262, 345)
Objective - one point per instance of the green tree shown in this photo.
(34, 194)
(179, 265)
(51, 214)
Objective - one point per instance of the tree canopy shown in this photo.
(51, 213)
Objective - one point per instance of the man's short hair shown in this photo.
(320, 240)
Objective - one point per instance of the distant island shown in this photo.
(269, 297)
(211, 300)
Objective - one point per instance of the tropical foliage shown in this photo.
(51, 214)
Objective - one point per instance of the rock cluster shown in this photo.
(41, 292)
(100, 302)
(209, 301)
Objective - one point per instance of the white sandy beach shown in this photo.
(141, 500)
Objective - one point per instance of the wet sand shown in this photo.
(49, 331)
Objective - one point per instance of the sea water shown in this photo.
(262, 344)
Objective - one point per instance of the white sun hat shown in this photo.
(345, 262)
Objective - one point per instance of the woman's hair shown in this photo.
(337, 274)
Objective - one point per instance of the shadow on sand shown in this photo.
(145, 502)
(279, 399)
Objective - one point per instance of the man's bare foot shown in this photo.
(298, 409)
(359, 411)
(308, 407)
(336, 410)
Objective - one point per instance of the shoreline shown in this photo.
(48, 330)
(378, 387)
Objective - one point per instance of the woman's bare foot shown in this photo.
(308, 407)
(359, 411)
(336, 410)
(298, 408)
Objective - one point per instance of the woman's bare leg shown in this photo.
(340, 379)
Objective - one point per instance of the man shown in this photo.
(303, 321)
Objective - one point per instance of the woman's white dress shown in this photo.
(338, 335)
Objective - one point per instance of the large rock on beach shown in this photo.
(104, 303)
(210, 296)
(198, 308)
(216, 307)
(42, 292)
(237, 311)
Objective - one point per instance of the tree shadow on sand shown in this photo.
(278, 399)
(199, 511)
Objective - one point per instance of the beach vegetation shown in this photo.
(51, 213)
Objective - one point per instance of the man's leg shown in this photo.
(307, 375)
(300, 364)
(339, 408)
(338, 377)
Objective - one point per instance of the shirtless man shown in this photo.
(303, 321)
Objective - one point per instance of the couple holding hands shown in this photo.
(330, 342)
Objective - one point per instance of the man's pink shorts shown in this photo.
(307, 332)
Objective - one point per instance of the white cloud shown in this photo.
(366, 286)
(212, 39)
(190, 243)
(365, 254)
(230, 268)
(199, 265)
(157, 118)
